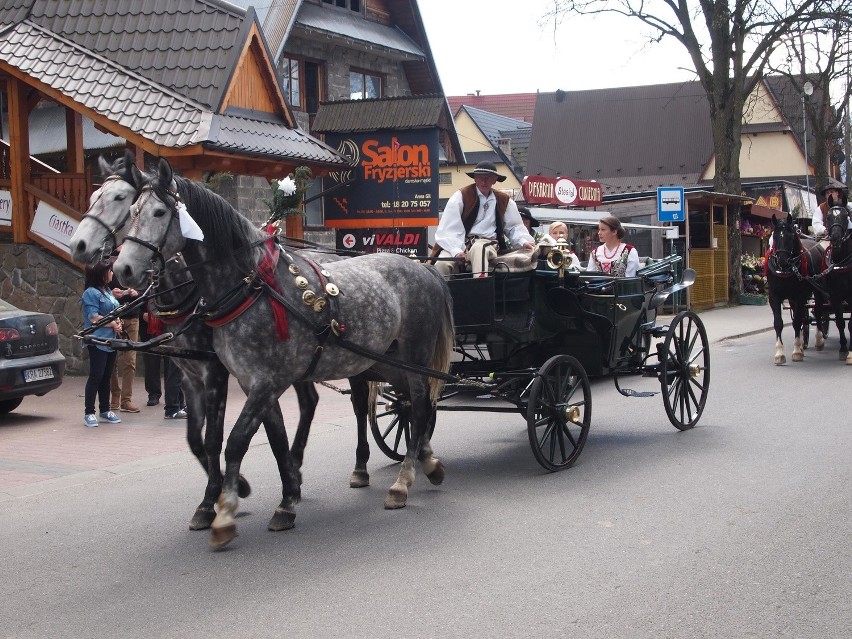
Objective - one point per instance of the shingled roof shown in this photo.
(401, 113)
(629, 139)
(157, 69)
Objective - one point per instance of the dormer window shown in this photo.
(352, 5)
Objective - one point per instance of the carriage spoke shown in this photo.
(559, 412)
(685, 374)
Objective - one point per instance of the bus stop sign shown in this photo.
(670, 204)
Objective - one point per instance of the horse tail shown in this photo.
(446, 338)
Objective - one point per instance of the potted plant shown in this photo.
(288, 202)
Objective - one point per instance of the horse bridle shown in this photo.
(111, 231)
(787, 261)
(135, 212)
(844, 215)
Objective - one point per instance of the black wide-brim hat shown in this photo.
(525, 213)
(486, 168)
(833, 187)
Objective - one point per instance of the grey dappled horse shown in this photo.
(388, 305)
(205, 381)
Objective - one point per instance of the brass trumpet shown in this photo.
(559, 258)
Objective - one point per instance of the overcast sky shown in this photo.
(498, 46)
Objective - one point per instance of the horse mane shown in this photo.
(227, 231)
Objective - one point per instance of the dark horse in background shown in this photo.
(838, 271)
(791, 261)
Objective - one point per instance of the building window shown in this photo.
(364, 85)
(303, 83)
(445, 178)
(290, 77)
(352, 5)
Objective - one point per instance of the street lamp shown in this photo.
(807, 90)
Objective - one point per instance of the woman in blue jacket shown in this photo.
(98, 301)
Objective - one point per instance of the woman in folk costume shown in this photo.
(613, 257)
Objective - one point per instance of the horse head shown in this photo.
(837, 223)
(102, 227)
(154, 233)
(787, 245)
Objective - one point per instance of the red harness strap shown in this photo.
(266, 272)
(239, 310)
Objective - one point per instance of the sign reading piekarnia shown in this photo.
(394, 180)
(561, 191)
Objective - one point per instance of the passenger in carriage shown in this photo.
(613, 256)
(474, 223)
(558, 232)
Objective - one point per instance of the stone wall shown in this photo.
(34, 279)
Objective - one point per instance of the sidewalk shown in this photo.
(45, 447)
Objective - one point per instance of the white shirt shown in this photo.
(818, 223)
(451, 235)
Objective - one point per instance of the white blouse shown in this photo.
(620, 262)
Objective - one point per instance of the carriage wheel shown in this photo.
(390, 414)
(685, 370)
(559, 412)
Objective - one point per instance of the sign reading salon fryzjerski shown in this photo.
(394, 180)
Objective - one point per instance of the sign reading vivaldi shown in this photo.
(395, 177)
(561, 191)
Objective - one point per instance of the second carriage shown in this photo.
(533, 339)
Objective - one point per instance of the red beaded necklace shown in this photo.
(607, 255)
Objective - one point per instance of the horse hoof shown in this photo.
(221, 536)
(243, 487)
(396, 497)
(780, 359)
(819, 346)
(359, 479)
(843, 355)
(282, 520)
(798, 357)
(202, 519)
(436, 475)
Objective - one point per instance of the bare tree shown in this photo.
(730, 43)
(821, 55)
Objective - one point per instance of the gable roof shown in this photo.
(493, 125)
(337, 24)
(629, 139)
(520, 106)
(164, 75)
(408, 112)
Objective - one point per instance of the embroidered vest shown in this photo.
(470, 211)
(618, 267)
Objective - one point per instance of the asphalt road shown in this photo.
(738, 528)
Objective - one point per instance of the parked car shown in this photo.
(30, 361)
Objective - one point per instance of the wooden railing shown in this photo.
(73, 189)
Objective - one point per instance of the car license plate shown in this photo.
(38, 374)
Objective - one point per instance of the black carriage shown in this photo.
(533, 339)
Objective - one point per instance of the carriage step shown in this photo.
(629, 392)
